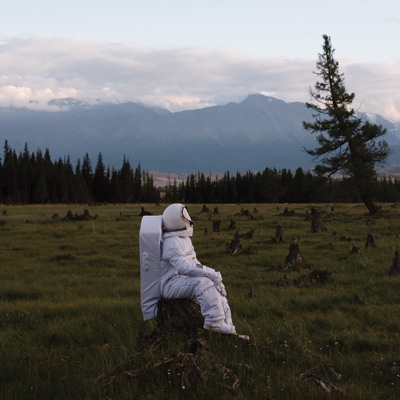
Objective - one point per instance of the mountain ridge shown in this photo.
(254, 134)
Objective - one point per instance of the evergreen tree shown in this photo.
(298, 193)
(69, 179)
(9, 178)
(190, 194)
(286, 179)
(171, 193)
(40, 189)
(126, 182)
(201, 189)
(87, 172)
(81, 192)
(25, 183)
(270, 185)
(115, 194)
(351, 144)
(137, 184)
(149, 193)
(100, 180)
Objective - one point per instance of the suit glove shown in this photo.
(221, 288)
(217, 277)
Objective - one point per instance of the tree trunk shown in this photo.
(372, 208)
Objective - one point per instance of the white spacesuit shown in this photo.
(183, 276)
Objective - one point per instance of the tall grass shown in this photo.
(71, 326)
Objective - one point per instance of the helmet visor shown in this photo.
(186, 216)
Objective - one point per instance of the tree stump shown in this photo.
(316, 223)
(288, 213)
(279, 234)
(86, 214)
(294, 258)
(232, 225)
(370, 241)
(251, 294)
(246, 213)
(234, 246)
(69, 215)
(205, 209)
(143, 212)
(395, 268)
(355, 250)
(216, 226)
(179, 314)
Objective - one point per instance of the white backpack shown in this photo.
(150, 235)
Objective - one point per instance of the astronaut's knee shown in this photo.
(205, 284)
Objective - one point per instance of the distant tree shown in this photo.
(351, 145)
(171, 192)
(115, 194)
(40, 192)
(149, 193)
(100, 182)
(270, 184)
(25, 175)
(81, 192)
(190, 189)
(286, 178)
(126, 182)
(137, 184)
(87, 172)
(9, 181)
(61, 192)
(299, 178)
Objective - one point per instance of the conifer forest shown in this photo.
(34, 178)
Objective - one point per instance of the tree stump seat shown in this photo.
(180, 314)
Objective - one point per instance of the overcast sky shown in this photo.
(183, 54)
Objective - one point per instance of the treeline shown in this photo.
(273, 186)
(33, 178)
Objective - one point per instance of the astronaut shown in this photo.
(183, 276)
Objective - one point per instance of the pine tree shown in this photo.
(100, 180)
(81, 192)
(126, 181)
(350, 145)
(137, 184)
(9, 178)
(87, 173)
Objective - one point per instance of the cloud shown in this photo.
(35, 70)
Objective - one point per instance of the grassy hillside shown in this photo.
(71, 324)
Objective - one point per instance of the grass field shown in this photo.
(71, 325)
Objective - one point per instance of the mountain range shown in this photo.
(257, 133)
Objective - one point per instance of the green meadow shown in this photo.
(71, 324)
